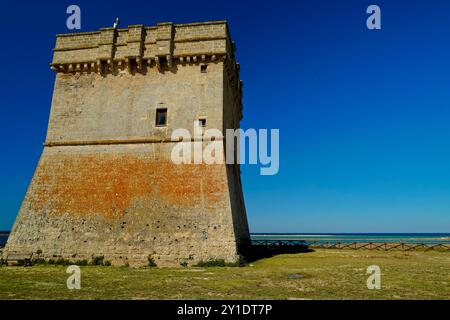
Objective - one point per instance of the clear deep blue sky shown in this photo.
(364, 116)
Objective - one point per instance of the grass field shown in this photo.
(323, 274)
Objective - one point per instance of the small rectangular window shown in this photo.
(202, 122)
(203, 68)
(161, 117)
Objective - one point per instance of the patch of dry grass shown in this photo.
(323, 274)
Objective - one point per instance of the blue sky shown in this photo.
(363, 115)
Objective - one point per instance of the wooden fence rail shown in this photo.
(386, 246)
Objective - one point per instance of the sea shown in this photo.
(428, 238)
(3, 237)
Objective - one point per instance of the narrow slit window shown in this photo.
(161, 117)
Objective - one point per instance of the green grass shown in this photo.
(326, 274)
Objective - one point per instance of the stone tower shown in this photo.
(105, 184)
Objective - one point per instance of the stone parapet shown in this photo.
(137, 47)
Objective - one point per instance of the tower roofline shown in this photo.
(191, 24)
(190, 42)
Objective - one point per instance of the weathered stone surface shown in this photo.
(105, 183)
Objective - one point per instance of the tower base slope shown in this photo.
(129, 203)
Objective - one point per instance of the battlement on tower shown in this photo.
(138, 47)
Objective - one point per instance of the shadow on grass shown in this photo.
(257, 252)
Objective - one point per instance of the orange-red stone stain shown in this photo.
(109, 184)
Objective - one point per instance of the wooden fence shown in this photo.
(387, 246)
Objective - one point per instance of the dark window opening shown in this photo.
(103, 66)
(161, 117)
(132, 64)
(162, 62)
(202, 122)
(203, 68)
